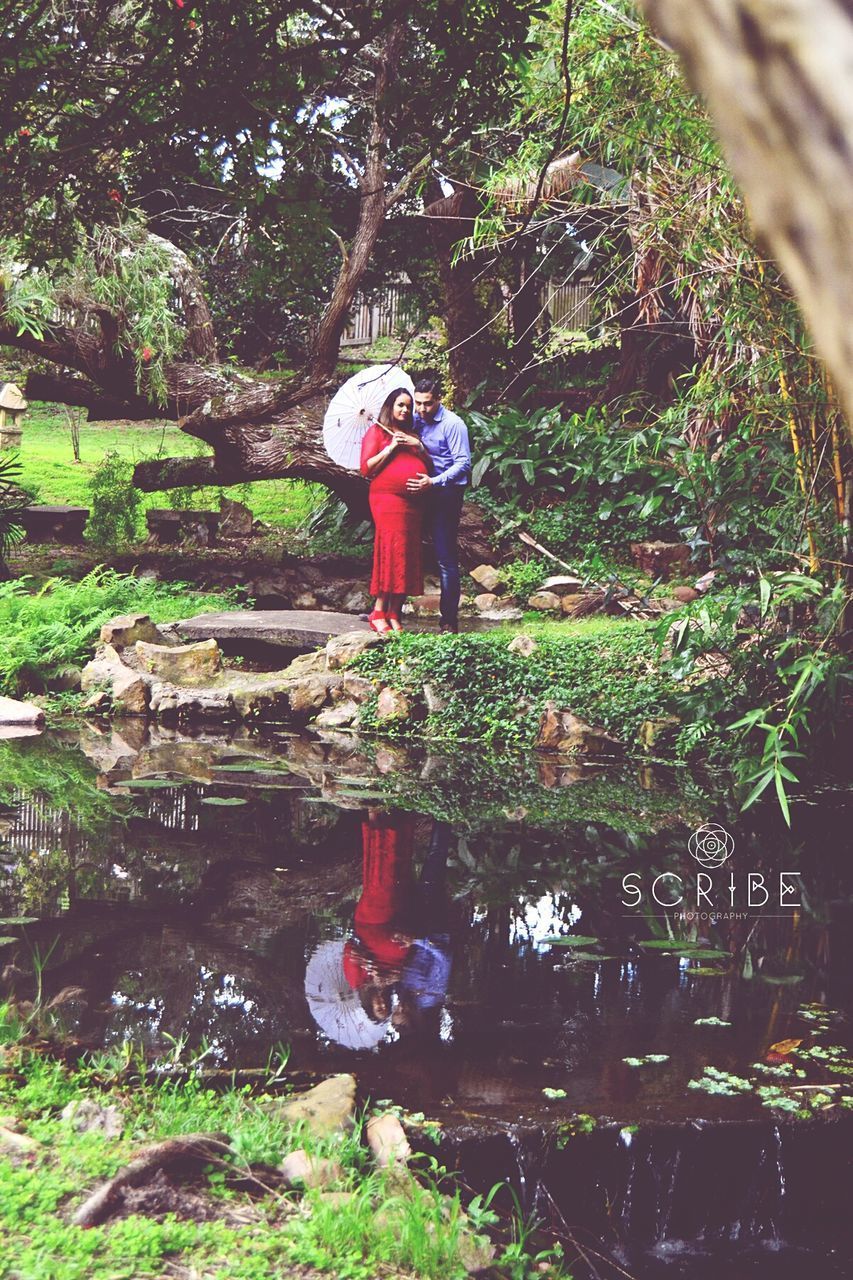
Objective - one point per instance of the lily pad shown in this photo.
(221, 801)
(711, 1022)
(256, 766)
(710, 953)
(782, 979)
(18, 920)
(648, 1059)
(554, 1093)
(4, 942)
(571, 940)
(152, 784)
(591, 955)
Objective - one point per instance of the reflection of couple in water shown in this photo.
(394, 971)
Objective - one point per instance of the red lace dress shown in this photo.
(397, 516)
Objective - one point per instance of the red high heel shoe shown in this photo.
(394, 622)
(375, 619)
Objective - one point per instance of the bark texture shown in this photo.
(450, 219)
(776, 75)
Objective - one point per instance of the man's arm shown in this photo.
(460, 450)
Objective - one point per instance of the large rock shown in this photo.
(311, 692)
(171, 702)
(387, 1141)
(127, 689)
(299, 1169)
(130, 627)
(544, 600)
(20, 713)
(561, 584)
(180, 664)
(392, 705)
(357, 600)
(288, 628)
(505, 613)
(487, 576)
(87, 1115)
(434, 701)
(523, 644)
(485, 600)
(562, 731)
(339, 716)
(306, 664)
(235, 519)
(425, 606)
(358, 688)
(167, 526)
(342, 650)
(326, 1109)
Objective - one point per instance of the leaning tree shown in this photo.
(102, 94)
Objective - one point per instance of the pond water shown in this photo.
(484, 940)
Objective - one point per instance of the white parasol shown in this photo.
(335, 1006)
(355, 406)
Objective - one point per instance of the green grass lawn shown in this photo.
(48, 467)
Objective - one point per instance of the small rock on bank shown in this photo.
(326, 1109)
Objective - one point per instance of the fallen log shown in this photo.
(192, 1148)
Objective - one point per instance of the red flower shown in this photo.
(147, 353)
(180, 3)
(24, 133)
(114, 195)
(191, 26)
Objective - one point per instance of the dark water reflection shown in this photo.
(388, 912)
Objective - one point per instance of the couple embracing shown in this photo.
(417, 458)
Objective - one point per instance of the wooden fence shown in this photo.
(568, 305)
(394, 308)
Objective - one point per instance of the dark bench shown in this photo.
(54, 523)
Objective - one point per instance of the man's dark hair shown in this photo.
(428, 387)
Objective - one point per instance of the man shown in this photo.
(445, 438)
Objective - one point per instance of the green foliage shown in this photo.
(768, 652)
(523, 577)
(12, 503)
(384, 1225)
(115, 503)
(58, 625)
(605, 674)
(590, 482)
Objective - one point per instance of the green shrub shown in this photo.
(115, 503)
(58, 625)
(605, 673)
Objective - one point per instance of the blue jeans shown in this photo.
(446, 512)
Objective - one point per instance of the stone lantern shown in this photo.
(12, 408)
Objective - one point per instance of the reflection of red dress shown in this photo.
(388, 848)
(397, 516)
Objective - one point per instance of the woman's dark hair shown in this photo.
(429, 387)
(385, 416)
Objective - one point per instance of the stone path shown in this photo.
(288, 628)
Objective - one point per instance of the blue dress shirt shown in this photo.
(445, 438)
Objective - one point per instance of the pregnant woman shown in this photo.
(391, 455)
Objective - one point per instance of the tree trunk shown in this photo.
(471, 347)
(776, 77)
(373, 206)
